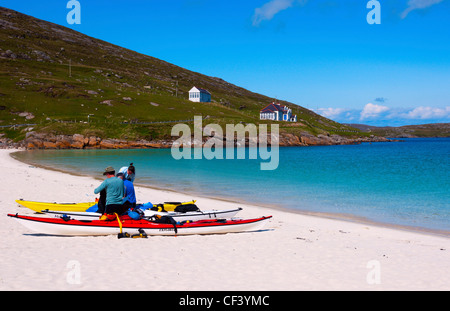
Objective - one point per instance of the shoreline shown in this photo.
(294, 251)
(36, 140)
(235, 200)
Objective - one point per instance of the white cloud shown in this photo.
(418, 4)
(379, 115)
(271, 8)
(372, 110)
(423, 113)
(331, 113)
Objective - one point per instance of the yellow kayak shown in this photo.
(82, 207)
(64, 207)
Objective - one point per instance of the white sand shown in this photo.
(297, 252)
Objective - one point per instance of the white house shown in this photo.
(277, 112)
(199, 95)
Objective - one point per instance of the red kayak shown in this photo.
(73, 227)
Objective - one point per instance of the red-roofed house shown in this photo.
(277, 112)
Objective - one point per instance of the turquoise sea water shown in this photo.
(400, 183)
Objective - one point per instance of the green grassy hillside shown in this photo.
(422, 130)
(60, 79)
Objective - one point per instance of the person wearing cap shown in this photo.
(114, 188)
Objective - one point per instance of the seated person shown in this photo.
(129, 198)
(114, 188)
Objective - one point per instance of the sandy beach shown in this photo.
(295, 252)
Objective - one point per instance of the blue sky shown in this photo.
(320, 54)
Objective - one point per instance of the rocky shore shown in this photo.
(306, 139)
(34, 140)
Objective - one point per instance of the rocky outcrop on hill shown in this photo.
(307, 139)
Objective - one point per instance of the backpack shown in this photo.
(135, 214)
(186, 208)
